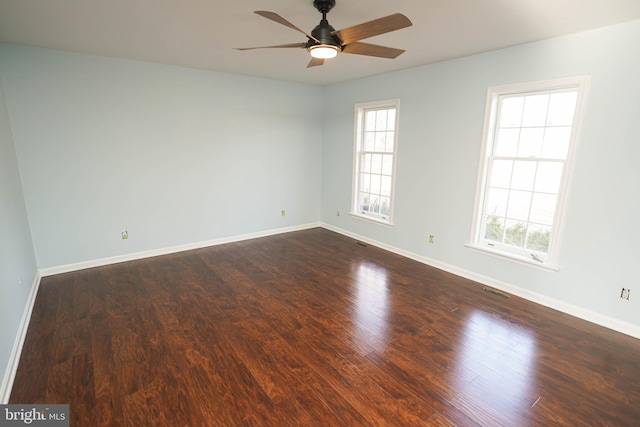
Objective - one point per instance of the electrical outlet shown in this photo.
(20, 280)
(625, 294)
(337, 213)
(431, 238)
(283, 212)
(125, 235)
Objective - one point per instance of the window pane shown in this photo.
(364, 202)
(494, 228)
(507, 142)
(519, 203)
(530, 142)
(561, 109)
(365, 180)
(366, 163)
(385, 205)
(501, 173)
(391, 119)
(374, 204)
(369, 141)
(389, 145)
(523, 176)
(376, 163)
(385, 186)
(375, 184)
(543, 207)
(496, 203)
(381, 120)
(556, 143)
(511, 112)
(515, 233)
(548, 177)
(535, 110)
(380, 141)
(387, 164)
(370, 121)
(539, 238)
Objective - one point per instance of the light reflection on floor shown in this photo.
(371, 303)
(503, 357)
(494, 363)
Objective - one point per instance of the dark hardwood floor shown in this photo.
(310, 328)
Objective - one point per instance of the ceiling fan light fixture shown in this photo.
(324, 51)
(324, 42)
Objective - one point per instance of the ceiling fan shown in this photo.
(325, 42)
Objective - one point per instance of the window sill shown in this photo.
(371, 219)
(512, 257)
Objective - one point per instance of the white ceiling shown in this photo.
(202, 33)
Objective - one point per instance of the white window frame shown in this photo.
(494, 93)
(360, 110)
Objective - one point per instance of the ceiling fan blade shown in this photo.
(359, 48)
(280, 20)
(315, 62)
(298, 45)
(376, 27)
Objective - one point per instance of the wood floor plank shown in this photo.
(352, 375)
(312, 328)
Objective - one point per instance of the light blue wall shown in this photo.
(173, 155)
(17, 258)
(441, 118)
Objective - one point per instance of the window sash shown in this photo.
(532, 233)
(536, 212)
(374, 165)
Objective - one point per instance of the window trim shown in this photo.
(360, 109)
(494, 93)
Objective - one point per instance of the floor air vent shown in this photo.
(494, 292)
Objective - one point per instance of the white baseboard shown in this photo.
(50, 271)
(573, 310)
(14, 358)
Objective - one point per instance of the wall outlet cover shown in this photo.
(625, 293)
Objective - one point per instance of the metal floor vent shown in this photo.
(495, 292)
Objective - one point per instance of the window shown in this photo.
(528, 144)
(374, 160)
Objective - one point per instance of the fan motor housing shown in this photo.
(322, 32)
